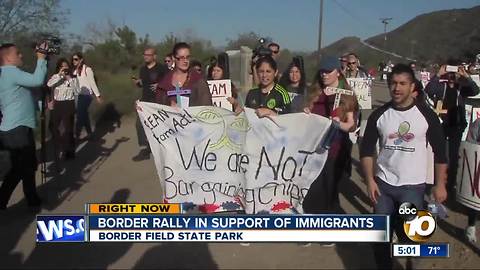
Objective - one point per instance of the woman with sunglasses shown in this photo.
(64, 87)
(189, 82)
(322, 196)
(169, 61)
(88, 88)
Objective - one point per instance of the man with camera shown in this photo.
(448, 89)
(273, 50)
(16, 128)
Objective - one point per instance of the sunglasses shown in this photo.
(75, 59)
(187, 58)
(275, 52)
(352, 63)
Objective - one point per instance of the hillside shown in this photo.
(431, 37)
(368, 56)
(436, 36)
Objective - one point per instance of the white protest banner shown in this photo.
(468, 175)
(469, 114)
(221, 90)
(363, 90)
(210, 160)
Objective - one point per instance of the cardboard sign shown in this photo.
(221, 90)
(363, 90)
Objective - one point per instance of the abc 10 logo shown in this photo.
(418, 225)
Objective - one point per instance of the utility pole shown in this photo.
(319, 56)
(385, 21)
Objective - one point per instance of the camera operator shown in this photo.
(272, 50)
(16, 129)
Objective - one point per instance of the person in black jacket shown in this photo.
(451, 89)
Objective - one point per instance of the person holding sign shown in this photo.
(219, 71)
(354, 70)
(183, 82)
(403, 127)
(322, 196)
(450, 98)
(269, 98)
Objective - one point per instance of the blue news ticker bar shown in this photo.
(434, 250)
(61, 228)
(323, 222)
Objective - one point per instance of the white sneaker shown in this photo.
(305, 244)
(327, 244)
(471, 234)
(245, 244)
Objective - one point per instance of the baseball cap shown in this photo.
(329, 63)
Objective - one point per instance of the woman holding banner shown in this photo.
(322, 196)
(181, 81)
(269, 98)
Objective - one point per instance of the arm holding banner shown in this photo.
(349, 125)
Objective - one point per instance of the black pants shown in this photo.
(20, 144)
(83, 119)
(142, 138)
(63, 117)
(322, 197)
(454, 135)
(472, 217)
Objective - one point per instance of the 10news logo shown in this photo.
(418, 225)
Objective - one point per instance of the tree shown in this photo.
(245, 39)
(30, 16)
(128, 39)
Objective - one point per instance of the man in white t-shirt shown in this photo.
(403, 128)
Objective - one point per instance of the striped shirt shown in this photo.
(277, 100)
(63, 89)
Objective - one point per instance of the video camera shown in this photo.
(261, 50)
(53, 45)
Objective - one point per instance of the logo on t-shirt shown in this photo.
(271, 103)
(402, 135)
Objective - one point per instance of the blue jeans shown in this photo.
(83, 119)
(387, 204)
